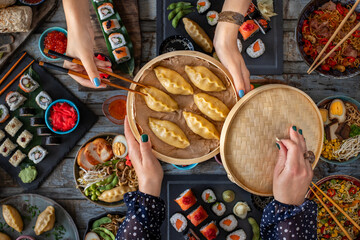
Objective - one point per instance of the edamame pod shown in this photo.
(255, 228)
(174, 5)
(101, 221)
(108, 232)
(102, 234)
(173, 13)
(178, 16)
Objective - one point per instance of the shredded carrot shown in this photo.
(227, 222)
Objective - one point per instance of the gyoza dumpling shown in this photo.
(45, 221)
(172, 81)
(204, 79)
(211, 106)
(3, 236)
(12, 217)
(159, 101)
(169, 133)
(201, 126)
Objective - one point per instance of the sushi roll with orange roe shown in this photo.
(197, 216)
(219, 208)
(110, 25)
(210, 231)
(105, 10)
(179, 222)
(186, 200)
(121, 54)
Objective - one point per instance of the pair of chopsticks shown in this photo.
(77, 61)
(10, 71)
(331, 214)
(313, 66)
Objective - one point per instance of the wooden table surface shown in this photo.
(60, 185)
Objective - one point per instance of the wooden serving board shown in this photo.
(40, 12)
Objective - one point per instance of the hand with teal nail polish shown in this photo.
(148, 168)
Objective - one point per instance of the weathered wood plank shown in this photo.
(292, 9)
(147, 9)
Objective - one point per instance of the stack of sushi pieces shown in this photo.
(212, 17)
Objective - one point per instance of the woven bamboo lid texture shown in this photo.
(248, 138)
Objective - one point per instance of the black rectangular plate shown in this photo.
(56, 90)
(174, 185)
(271, 62)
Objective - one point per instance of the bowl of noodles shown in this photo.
(110, 221)
(316, 24)
(341, 121)
(345, 192)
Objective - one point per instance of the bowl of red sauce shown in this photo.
(55, 39)
(31, 2)
(114, 109)
(62, 116)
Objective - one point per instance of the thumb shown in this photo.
(145, 148)
(280, 164)
(91, 70)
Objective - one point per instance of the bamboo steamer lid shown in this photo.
(247, 143)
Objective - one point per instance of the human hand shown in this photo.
(226, 48)
(292, 173)
(148, 168)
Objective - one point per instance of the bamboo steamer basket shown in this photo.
(248, 138)
(131, 98)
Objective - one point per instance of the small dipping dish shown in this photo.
(31, 2)
(114, 109)
(185, 167)
(175, 43)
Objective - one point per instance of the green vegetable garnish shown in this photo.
(354, 130)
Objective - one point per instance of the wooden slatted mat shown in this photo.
(249, 134)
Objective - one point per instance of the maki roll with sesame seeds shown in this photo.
(2, 135)
(13, 126)
(17, 158)
(24, 138)
(7, 147)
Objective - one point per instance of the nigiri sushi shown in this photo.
(210, 231)
(179, 222)
(110, 25)
(218, 208)
(27, 84)
(186, 200)
(229, 223)
(248, 29)
(202, 6)
(237, 235)
(256, 49)
(121, 54)
(212, 17)
(4, 113)
(116, 40)
(14, 100)
(105, 10)
(208, 196)
(197, 216)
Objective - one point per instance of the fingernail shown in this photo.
(278, 146)
(144, 138)
(294, 128)
(96, 82)
(300, 131)
(241, 93)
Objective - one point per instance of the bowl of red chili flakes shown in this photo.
(62, 116)
(54, 38)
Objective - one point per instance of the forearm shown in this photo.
(240, 6)
(76, 13)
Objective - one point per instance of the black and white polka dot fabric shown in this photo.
(144, 217)
(281, 221)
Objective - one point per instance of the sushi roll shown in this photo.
(186, 200)
(202, 6)
(248, 29)
(212, 18)
(191, 235)
(256, 49)
(197, 216)
(116, 40)
(208, 196)
(2, 135)
(238, 235)
(229, 223)
(4, 113)
(218, 208)
(263, 24)
(26, 112)
(7, 147)
(210, 231)
(52, 141)
(14, 100)
(17, 158)
(121, 54)
(241, 209)
(27, 84)
(110, 25)
(37, 122)
(239, 44)
(43, 100)
(13, 126)
(43, 131)
(179, 222)
(37, 154)
(24, 138)
(105, 10)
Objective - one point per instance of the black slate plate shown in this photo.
(55, 153)
(174, 185)
(271, 62)
(92, 220)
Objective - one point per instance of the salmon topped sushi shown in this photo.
(179, 222)
(248, 29)
(186, 200)
(121, 54)
(105, 10)
(210, 231)
(110, 25)
(197, 216)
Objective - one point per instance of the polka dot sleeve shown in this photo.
(281, 221)
(144, 217)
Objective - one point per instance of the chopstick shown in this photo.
(336, 47)
(12, 68)
(337, 206)
(77, 61)
(331, 214)
(13, 80)
(68, 71)
(333, 36)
